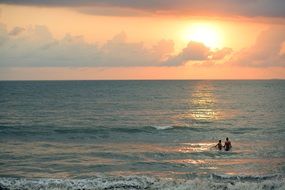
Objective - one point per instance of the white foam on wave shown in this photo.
(140, 182)
(244, 177)
(163, 127)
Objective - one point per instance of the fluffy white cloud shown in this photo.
(268, 50)
(196, 51)
(16, 31)
(36, 47)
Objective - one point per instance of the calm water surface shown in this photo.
(142, 130)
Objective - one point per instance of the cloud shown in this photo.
(268, 50)
(16, 31)
(196, 51)
(221, 54)
(118, 52)
(163, 49)
(247, 8)
(113, 11)
(36, 47)
(3, 34)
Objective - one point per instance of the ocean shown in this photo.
(142, 134)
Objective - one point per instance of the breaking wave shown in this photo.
(213, 182)
(163, 127)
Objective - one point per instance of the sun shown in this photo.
(207, 34)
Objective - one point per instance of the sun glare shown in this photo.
(207, 34)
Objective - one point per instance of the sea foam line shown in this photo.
(142, 182)
(162, 127)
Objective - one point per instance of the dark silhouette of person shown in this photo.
(228, 144)
(219, 145)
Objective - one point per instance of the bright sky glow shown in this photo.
(94, 39)
(207, 34)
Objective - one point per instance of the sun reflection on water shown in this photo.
(195, 147)
(189, 161)
(202, 102)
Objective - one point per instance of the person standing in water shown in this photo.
(228, 144)
(219, 145)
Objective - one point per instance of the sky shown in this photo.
(142, 39)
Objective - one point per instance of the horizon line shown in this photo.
(23, 80)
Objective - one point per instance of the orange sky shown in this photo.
(65, 42)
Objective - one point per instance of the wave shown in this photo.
(147, 182)
(245, 177)
(162, 127)
(14, 129)
(179, 127)
(49, 131)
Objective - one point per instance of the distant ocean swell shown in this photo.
(30, 130)
(136, 129)
(213, 182)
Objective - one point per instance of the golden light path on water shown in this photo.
(195, 147)
(203, 100)
(202, 105)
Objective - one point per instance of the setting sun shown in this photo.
(207, 34)
(141, 94)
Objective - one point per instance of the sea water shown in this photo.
(142, 134)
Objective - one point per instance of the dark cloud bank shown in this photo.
(247, 8)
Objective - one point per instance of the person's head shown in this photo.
(220, 141)
(227, 138)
